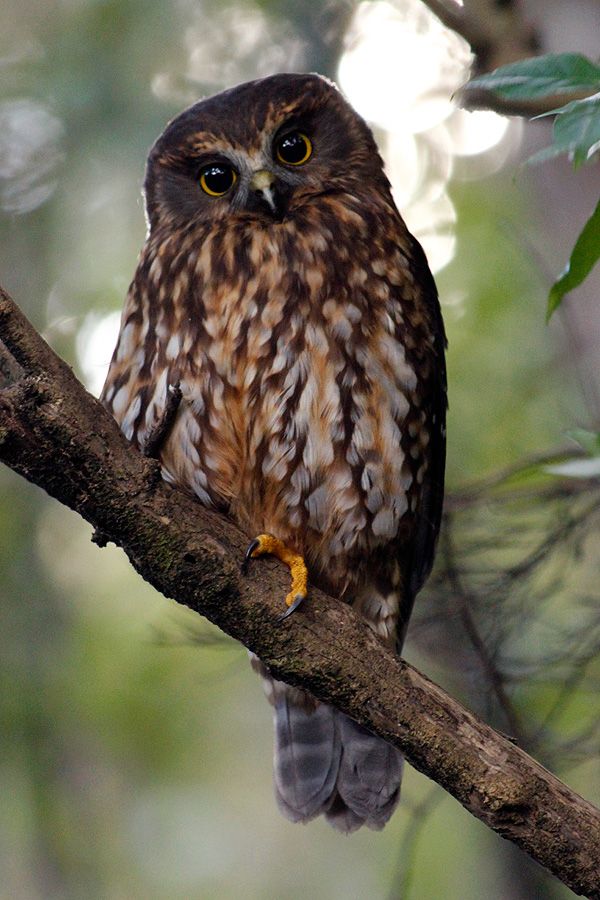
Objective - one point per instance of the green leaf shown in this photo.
(577, 128)
(541, 76)
(576, 131)
(587, 440)
(584, 257)
(544, 154)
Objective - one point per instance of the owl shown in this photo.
(280, 294)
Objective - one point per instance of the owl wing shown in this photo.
(139, 379)
(421, 550)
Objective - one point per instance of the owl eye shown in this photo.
(217, 179)
(293, 149)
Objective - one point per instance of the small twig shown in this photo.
(566, 692)
(402, 882)
(491, 671)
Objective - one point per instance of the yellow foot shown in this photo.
(267, 543)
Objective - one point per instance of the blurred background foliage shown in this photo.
(136, 743)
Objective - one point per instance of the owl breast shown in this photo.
(300, 413)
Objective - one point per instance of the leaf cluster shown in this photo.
(576, 132)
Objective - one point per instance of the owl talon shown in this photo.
(252, 546)
(267, 543)
(160, 432)
(296, 602)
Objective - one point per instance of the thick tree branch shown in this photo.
(459, 19)
(498, 34)
(56, 435)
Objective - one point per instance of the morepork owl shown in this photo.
(280, 289)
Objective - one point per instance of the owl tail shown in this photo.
(326, 763)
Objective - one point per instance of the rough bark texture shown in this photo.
(58, 436)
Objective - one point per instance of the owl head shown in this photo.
(261, 150)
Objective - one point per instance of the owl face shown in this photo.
(261, 150)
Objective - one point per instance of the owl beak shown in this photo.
(264, 194)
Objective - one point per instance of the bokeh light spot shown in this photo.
(30, 152)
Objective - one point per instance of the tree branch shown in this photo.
(58, 436)
(498, 34)
(459, 19)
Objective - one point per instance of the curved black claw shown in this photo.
(160, 432)
(298, 600)
(248, 555)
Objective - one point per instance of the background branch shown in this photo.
(498, 34)
(56, 435)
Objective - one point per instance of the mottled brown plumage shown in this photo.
(302, 324)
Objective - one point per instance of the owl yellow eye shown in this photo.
(217, 179)
(293, 149)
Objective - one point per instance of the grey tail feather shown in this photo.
(326, 763)
(369, 777)
(307, 758)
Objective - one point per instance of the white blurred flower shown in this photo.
(401, 65)
(400, 70)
